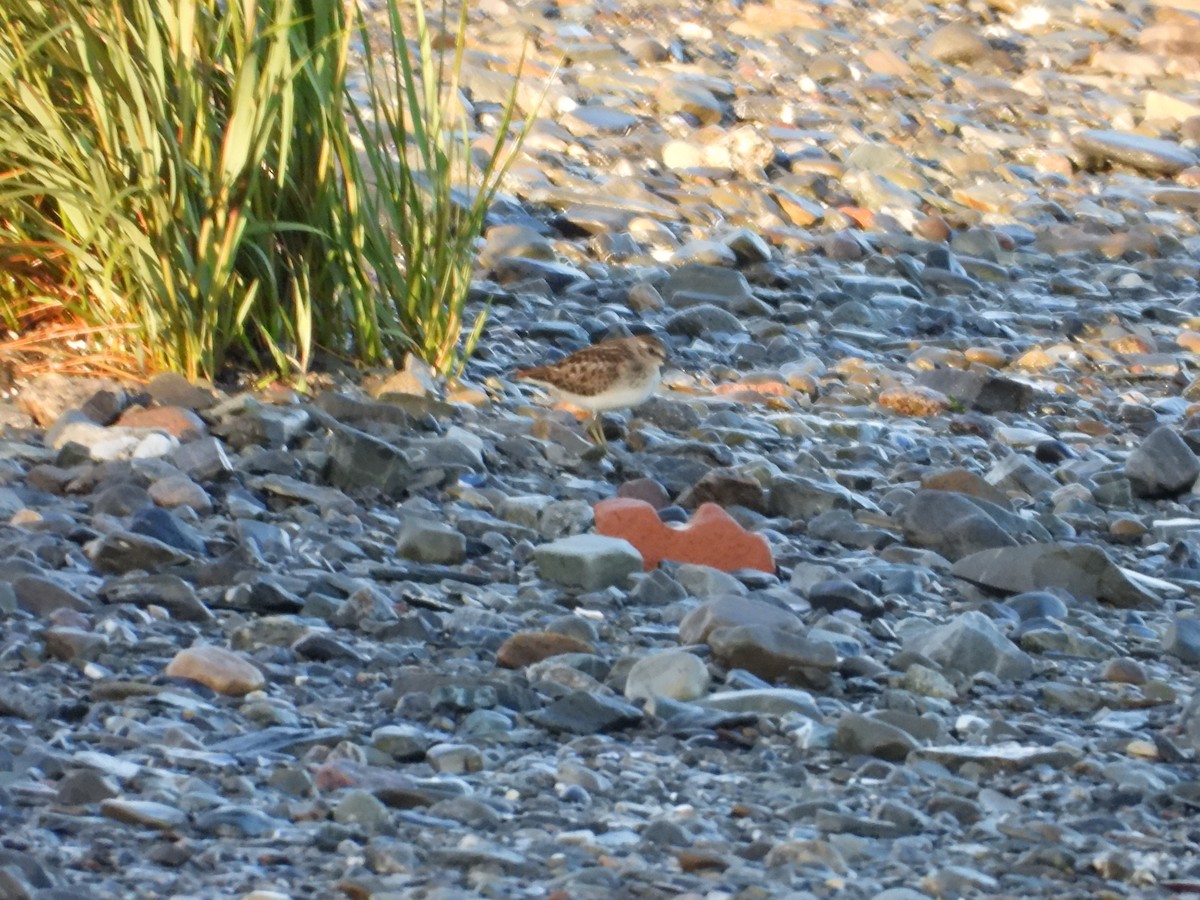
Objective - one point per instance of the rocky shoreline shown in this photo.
(929, 281)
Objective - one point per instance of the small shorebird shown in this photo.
(614, 374)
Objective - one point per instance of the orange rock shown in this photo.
(711, 538)
(175, 420)
(528, 647)
(864, 218)
(222, 670)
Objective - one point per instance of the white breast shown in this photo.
(623, 396)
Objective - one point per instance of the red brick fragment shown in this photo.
(711, 538)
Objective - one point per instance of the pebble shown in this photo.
(222, 670)
(676, 674)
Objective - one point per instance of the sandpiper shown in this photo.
(615, 374)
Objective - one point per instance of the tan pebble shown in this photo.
(528, 647)
(1142, 749)
(849, 364)
(777, 388)
(1126, 530)
(1189, 177)
(1133, 343)
(1036, 360)
(817, 166)
(1189, 340)
(1092, 427)
(222, 670)
(883, 61)
(804, 384)
(914, 401)
(986, 356)
(932, 228)
(927, 358)
(25, 516)
(1123, 670)
(1054, 163)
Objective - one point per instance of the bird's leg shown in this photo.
(596, 431)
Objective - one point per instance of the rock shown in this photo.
(85, 787)
(1099, 147)
(696, 284)
(771, 654)
(432, 542)
(1183, 639)
(1007, 756)
(41, 596)
(962, 481)
(863, 735)
(73, 644)
(125, 551)
(456, 759)
(730, 612)
(514, 240)
(529, 647)
(179, 490)
(681, 94)
(357, 459)
(204, 459)
(987, 393)
(405, 743)
(914, 400)
(160, 525)
(46, 397)
(362, 809)
(672, 673)
(711, 537)
(168, 591)
(583, 713)
(1017, 474)
(724, 488)
(835, 594)
(703, 319)
(222, 670)
(1079, 569)
(801, 498)
(588, 561)
(954, 525)
(1037, 605)
(764, 702)
(172, 389)
(971, 644)
(143, 813)
(513, 269)
(181, 424)
(1162, 465)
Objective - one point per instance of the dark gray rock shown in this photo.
(971, 643)
(1182, 639)
(580, 712)
(1100, 147)
(860, 735)
(1162, 465)
(1081, 570)
(954, 525)
(979, 390)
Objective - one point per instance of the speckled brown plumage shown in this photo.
(610, 370)
(616, 374)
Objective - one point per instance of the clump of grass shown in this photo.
(181, 177)
(432, 195)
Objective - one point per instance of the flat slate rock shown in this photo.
(1080, 569)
